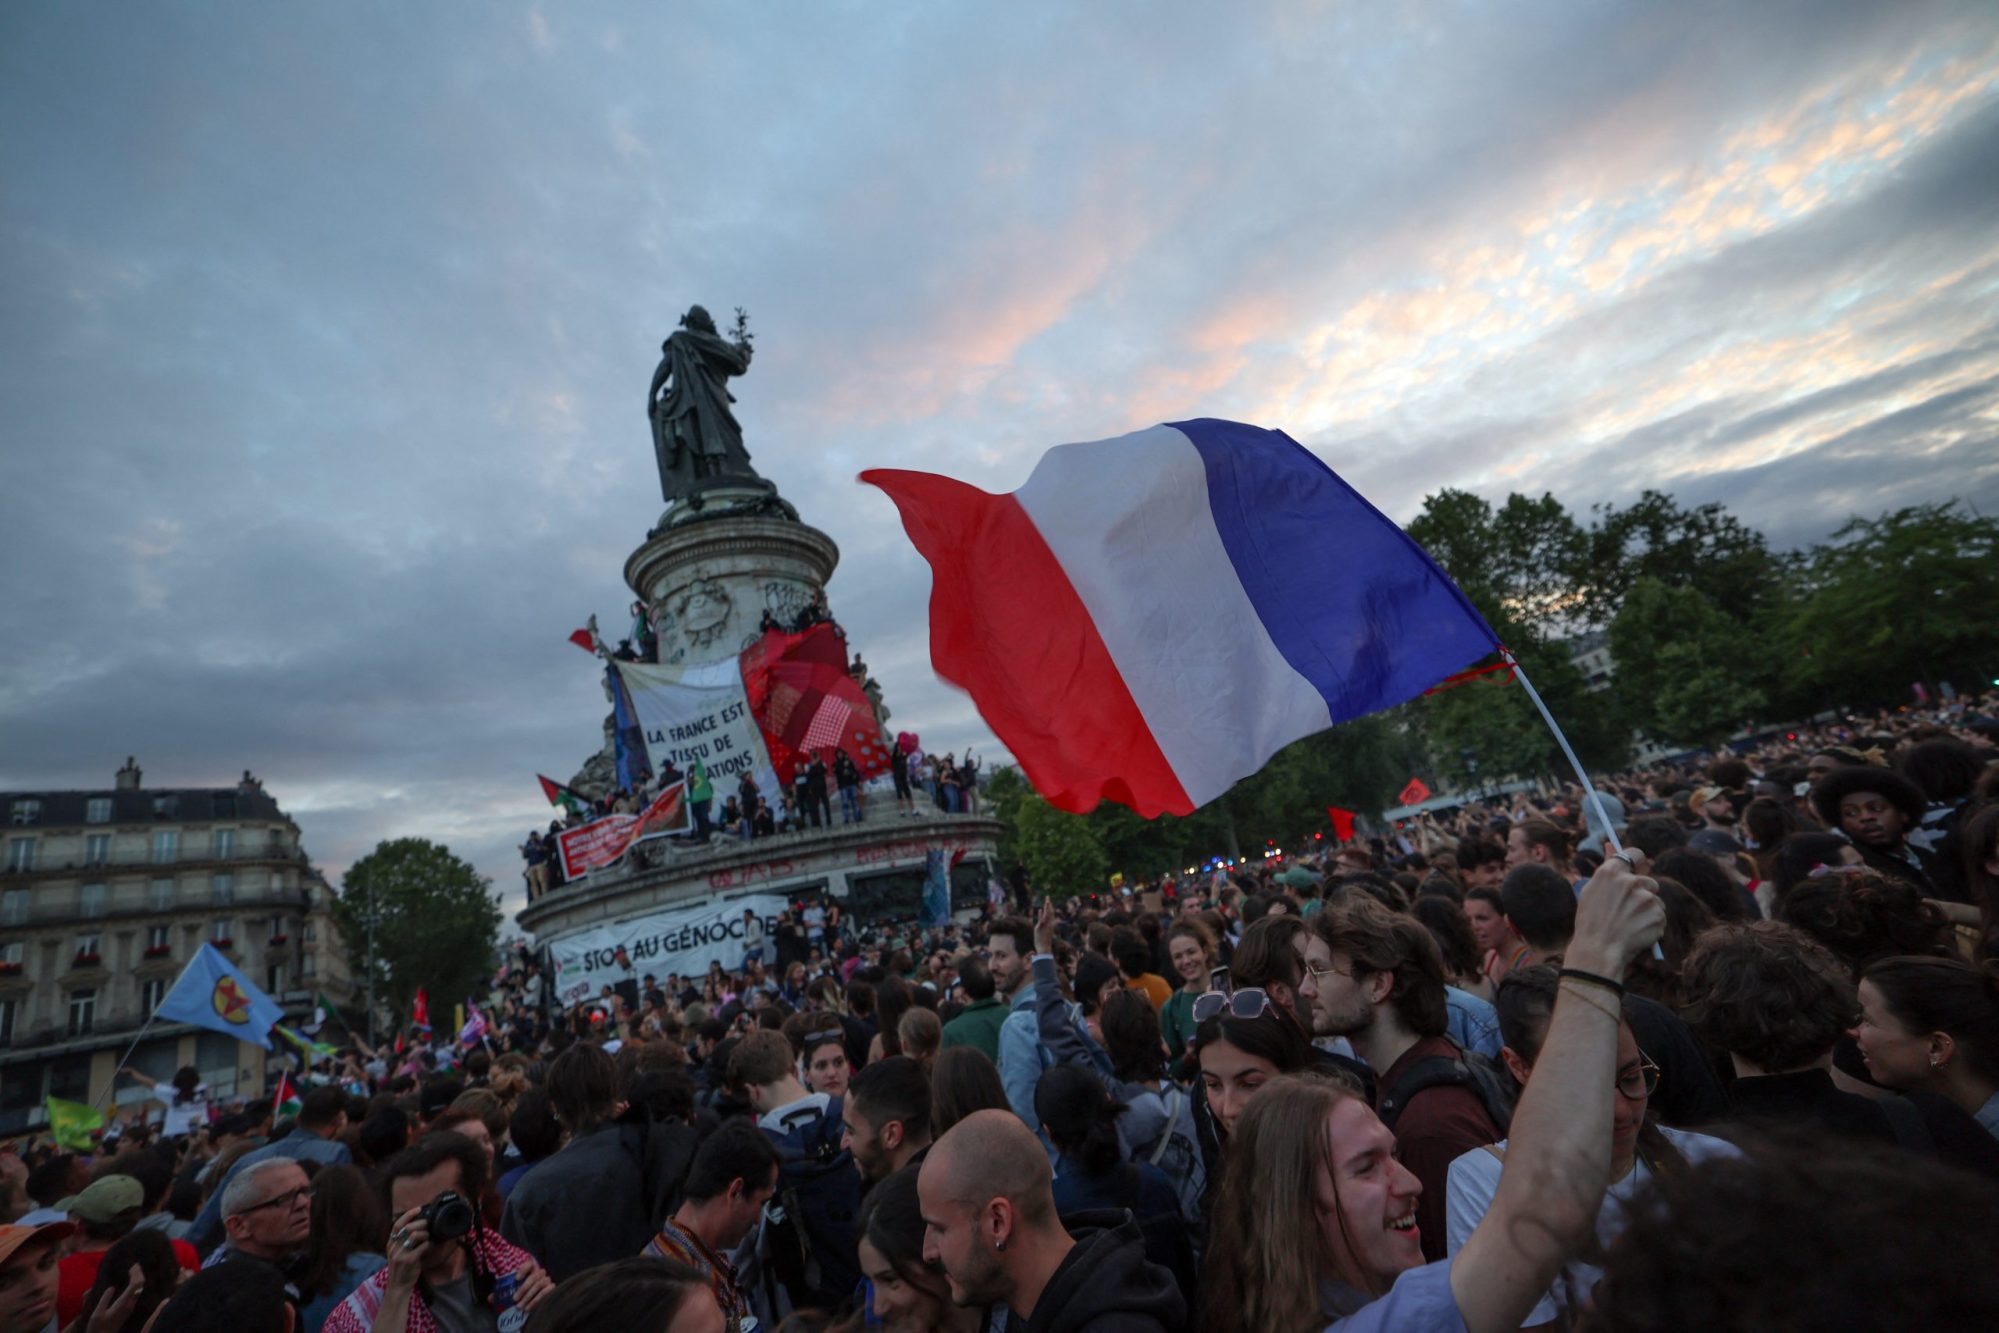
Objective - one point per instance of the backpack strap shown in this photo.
(1431, 1071)
(1174, 1100)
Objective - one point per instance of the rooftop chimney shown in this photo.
(128, 776)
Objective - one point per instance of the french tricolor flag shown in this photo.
(1151, 617)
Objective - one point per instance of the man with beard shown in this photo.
(990, 1224)
(1380, 985)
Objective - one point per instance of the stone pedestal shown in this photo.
(706, 579)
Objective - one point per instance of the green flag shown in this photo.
(71, 1123)
(316, 1049)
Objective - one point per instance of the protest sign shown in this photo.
(702, 712)
(681, 939)
(602, 841)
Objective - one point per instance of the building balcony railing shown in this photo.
(296, 900)
(184, 860)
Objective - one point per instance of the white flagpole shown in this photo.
(1589, 788)
(111, 1088)
(143, 1029)
(1582, 775)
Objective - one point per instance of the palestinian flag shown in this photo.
(558, 794)
(286, 1101)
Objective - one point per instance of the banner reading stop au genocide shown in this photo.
(602, 841)
(701, 712)
(683, 940)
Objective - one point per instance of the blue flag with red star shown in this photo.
(213, 994)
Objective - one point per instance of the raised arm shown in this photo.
(1558, 1152)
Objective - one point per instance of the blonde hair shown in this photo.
(1272, 1245)
(921, 1034)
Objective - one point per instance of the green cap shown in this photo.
(104, 1199)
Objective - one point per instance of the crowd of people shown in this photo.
(920, 781)
(1724, 1056)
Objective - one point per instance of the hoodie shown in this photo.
(1106, 1285)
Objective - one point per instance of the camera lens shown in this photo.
(449, 1215)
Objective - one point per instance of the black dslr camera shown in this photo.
(449, 1215)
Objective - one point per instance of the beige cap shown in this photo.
(13, 1238)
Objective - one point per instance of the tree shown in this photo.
(1518, 564)
(1898, 599)
(1706, 549)
(1685, 672)
(436, 922)
(1060, 850)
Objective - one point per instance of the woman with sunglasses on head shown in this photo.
(1316, 1219)
(1640, 1148)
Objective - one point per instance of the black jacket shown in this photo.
(601, 1198)
(1106, 1285)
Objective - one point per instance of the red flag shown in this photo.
(420, 1011)
(1414, 792)
(806, 703)
(581, 638)
(1342, 822)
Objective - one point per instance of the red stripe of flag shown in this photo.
(1007, 625)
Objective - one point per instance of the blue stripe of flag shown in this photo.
(1352, 603)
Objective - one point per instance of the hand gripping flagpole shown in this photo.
(1568, 751)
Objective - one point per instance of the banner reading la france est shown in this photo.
(682, 939)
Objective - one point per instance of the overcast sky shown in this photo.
(326, 327)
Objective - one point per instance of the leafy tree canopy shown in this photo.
(436, 922)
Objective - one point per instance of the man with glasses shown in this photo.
(1639, 1146)
(322, 1118)
(267, 1215)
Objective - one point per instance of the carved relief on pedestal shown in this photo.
(702, 611)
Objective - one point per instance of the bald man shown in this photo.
(989, 1222)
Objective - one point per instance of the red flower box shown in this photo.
(277, 940)
(9, 969)
(86, 960)
(158, 950)
(224, 943)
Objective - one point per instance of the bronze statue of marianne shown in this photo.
(694, 434)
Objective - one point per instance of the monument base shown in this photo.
(874, 870)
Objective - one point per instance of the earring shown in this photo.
(999, 1245)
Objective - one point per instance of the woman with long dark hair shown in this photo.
(159, 1272)
(904, 1292)
(346, 1246)
(1080, 1118)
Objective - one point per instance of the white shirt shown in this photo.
(1474, 1179)
(185, 1117)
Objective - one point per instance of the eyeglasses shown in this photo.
(1317, 970)
(285, 1200)
(1248, 1002)
(1640, 1082)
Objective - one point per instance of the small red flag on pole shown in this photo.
(1414, 792)
(581, 638)
(1342, 822)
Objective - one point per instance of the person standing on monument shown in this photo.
(849, 779)
(700, 798)
(695, 435)
(815, 793)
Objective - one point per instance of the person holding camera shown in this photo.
(447, 1273)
